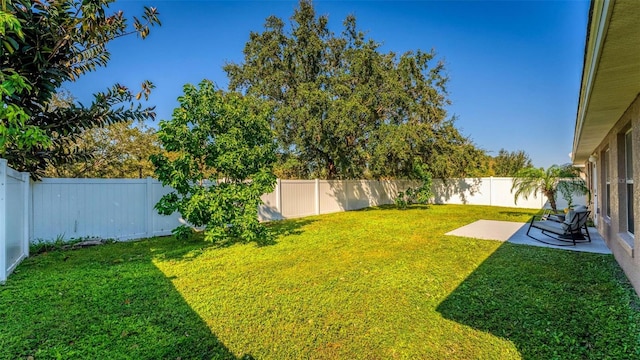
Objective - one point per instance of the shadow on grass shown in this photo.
(288, 227)
(550, 304)
(103, 304)
(519, 216)
(516, 213)
(171, 248)
(394, 207)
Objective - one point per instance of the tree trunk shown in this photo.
(551, 195)
(331, 169)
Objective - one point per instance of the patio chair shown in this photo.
(571, 228)
(549, 215)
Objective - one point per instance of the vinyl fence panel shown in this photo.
(79, 208)
(298, 198)
(158, 225)
(270, 210)
(14, 218)
(501, 195)
(332, 196)
(472, 191)
(119, 209)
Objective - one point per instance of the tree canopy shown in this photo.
(344, 109)
(54, 42)
(509, 163)
(119, 150)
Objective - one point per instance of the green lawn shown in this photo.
(373, 284)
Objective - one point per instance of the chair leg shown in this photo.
(586, 230)
(530, 223)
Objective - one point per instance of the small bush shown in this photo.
(420, 195)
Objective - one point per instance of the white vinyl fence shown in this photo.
(493, 191)
(123, 209)
(14, 215)
(298, 198)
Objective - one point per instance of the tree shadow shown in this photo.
(105, 302)
(413, 207)
(279, 228)
(518, 214)
(268, 211)
(171, 248)
(549, 303)
(445, 190)
(336, 196)
(351, 195)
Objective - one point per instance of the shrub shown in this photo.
(422, 194)
(224, 159)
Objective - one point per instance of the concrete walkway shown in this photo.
(517, 233)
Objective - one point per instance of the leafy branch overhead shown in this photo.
(59, 41)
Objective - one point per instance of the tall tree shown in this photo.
(343, 109)
(60, 41)
(509, 163)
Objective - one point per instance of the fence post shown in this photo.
(26, 181)
(279, 197)
(150, 207)
(490, 190)
(3, 215)
(317, 193)
(346, 195)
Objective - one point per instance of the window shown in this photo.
(607, 189)
(628, 155)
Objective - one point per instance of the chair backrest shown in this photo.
(575, 220)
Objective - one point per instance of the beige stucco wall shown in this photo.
(625, 248)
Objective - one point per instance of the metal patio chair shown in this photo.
(568, 230)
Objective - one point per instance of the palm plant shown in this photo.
(563, 178)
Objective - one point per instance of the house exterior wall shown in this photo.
(624, 246)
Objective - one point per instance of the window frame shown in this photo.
(628, 161)
(607, 180)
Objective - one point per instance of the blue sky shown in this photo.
(514, 66)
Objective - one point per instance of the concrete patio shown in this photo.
(516, 233)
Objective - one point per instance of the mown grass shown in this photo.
(374, 284)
